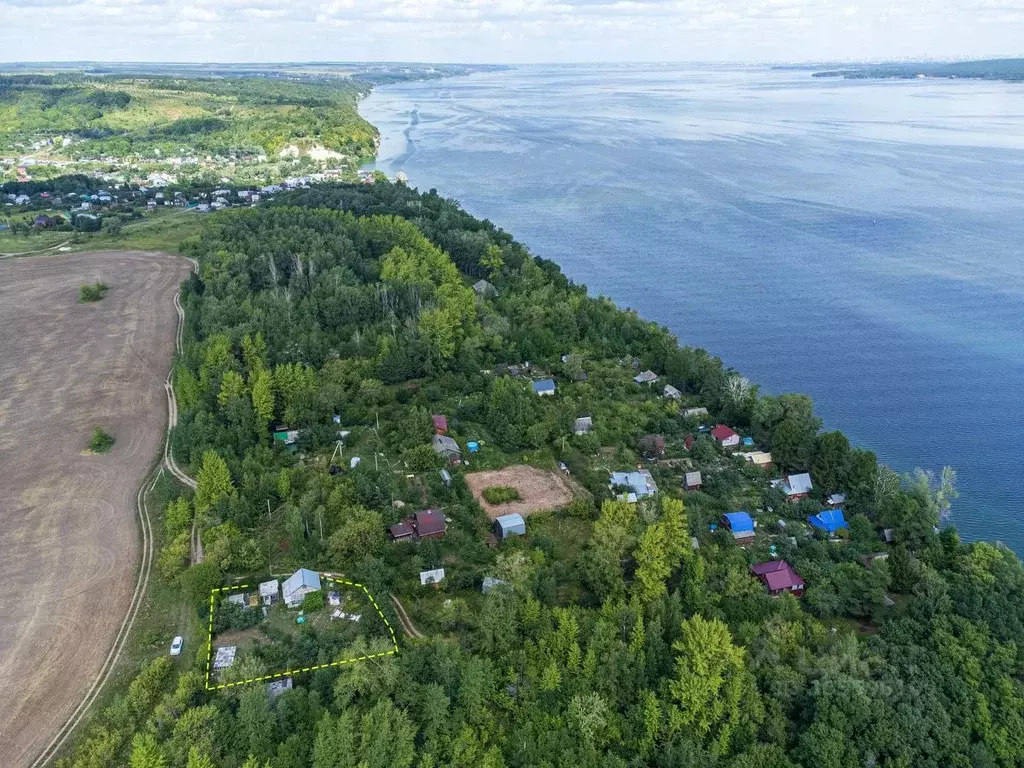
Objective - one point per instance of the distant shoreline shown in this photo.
(1006, 70)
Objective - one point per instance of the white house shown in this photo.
(725, 436)
(544, 387)
(298, 585)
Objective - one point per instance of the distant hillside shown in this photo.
(990, 69)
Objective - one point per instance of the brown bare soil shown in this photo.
(68, 517)
(539, 490)
(240, 637)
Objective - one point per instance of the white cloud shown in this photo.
(507, 30)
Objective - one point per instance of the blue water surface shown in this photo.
(860, 241)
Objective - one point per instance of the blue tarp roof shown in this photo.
(739, 521)
(830, 520)
(543, 385)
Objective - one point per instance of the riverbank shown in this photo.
(869, 265)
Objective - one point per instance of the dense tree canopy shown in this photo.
(621, 634)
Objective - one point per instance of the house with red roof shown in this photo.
(428, 524)
(778, 577)
(725, 436)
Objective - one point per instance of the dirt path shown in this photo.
(75, 566)
(35, 253)
(142, 581)
(405, 621)
(196, 547)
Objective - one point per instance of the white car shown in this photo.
(176, 644)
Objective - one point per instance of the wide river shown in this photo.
(859, 241)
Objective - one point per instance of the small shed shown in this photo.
(270, 591)
(440, 424)
(445, 446)
(402, 530)
(276, 687)
(544, 387)
(484, 288)
(286, 435)
(433, 576)
(692, 481)
(647, 377)
(583, 425)
(672, 393)
(490, 582)
(740, 524)
(225, 656)
(446, 478)
(760, 459)
(298, 585)
(836, 500)
(829, 520)
(688, 442)
(695, 413)
(510, 525)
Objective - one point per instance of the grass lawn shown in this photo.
(157, 231)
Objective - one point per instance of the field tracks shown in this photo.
(142, 578)
(141, 582)
(405, 621)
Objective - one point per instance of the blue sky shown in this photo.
(507, 31)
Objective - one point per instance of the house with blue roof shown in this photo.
(298, 585)
(828, 520)
(740, 524)
(544, 387)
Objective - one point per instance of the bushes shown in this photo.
(501, 494)
(313, 602)
(92, 292)
(101, 442)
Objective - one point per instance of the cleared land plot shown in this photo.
(539, 490)
(71, 537)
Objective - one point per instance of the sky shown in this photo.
(508, 31)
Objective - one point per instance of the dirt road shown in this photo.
(69, 519)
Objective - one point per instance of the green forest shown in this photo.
(149, 116)
(617, 634)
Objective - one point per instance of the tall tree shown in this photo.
(213, 482)
(263, 394)
(146, 752)
(713, 692)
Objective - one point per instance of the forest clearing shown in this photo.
(538, 490)
(69, 515)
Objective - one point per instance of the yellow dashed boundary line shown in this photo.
(286, 673)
